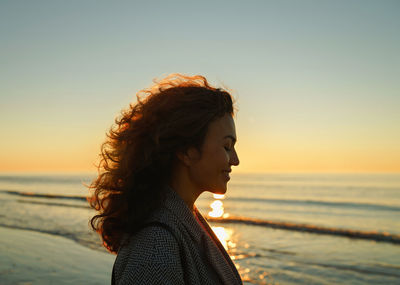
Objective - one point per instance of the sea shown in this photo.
(279, 228)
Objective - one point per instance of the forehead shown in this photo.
(222, 127)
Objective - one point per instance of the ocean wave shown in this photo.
(41, 195)
(313, 187)
(356, 234)
(46, 179)
(54, 204)
(364, 206)
(50, 232)
(367, 206)
(89, 239)
(368, 235)
(370, 270)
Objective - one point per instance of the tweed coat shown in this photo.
(176, 247)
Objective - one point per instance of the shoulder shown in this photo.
(152, 249)
(151, 243)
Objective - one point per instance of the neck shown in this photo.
(182, 185)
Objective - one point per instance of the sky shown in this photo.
(316, 83)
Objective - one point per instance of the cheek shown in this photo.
(220, 163)
(201, 173)
(218, 160)
(210, 168)
(223, 157)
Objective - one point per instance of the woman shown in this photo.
(176, 142)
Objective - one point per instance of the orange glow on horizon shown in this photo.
(254, 158)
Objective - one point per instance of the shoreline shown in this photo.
(31, 257)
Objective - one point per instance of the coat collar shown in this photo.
(203, 236)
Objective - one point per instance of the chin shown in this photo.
(219, 191)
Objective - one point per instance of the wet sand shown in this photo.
(28, 257)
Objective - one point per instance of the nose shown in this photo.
(234, 159)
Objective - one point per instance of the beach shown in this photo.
(28, 257)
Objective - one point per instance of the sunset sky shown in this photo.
(316, 82)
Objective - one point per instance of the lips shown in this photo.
(226, 173)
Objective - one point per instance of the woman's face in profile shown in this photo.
(211, 171)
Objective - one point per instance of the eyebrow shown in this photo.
(231, 137)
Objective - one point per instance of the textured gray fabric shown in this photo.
(185, 251)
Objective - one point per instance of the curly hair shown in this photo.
(138, 157)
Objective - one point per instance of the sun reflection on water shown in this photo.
(229, 242)
(219, 196)
(225, 236)
(217, 207)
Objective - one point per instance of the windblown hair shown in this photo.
(138, 157)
